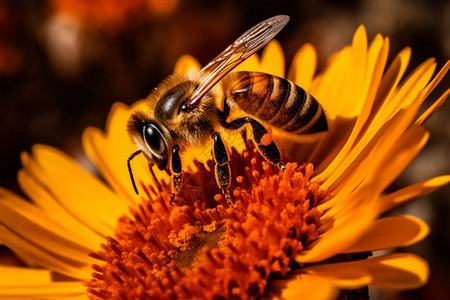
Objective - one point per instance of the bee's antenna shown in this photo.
(131, 172)
(155, 179)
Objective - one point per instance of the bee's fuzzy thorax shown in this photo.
(165, 85)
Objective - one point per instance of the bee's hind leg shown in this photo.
(222, 170)
(268, 149)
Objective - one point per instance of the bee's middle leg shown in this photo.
(222, 170)
(269, 151)
(176, 176)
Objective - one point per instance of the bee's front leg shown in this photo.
(222, 169)
(176, 172)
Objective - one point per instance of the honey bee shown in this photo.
(183, 111)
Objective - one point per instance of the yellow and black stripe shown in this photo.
(277, 101)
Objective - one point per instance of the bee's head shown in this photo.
(150, 140)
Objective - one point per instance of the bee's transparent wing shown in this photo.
(248, 43)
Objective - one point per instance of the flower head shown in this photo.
(307, 232)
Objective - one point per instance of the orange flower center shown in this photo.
(200, 248)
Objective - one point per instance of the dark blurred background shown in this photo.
(63, 63)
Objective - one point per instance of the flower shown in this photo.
(304, 233)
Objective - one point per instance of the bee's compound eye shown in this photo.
(153, 139)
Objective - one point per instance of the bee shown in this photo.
(183, 111)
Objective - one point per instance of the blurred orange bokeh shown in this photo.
(10, 57)
(112, 15)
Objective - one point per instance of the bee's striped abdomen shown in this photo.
(278, 102)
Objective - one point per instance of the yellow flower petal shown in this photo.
(27, 283)
(376, 61)
(185, 64)
(377, 58)
(251, 64)
(54, 290)
(35, 253)
(330, 146)
(98, 209)
(303, 67)
(377, 154)
(341, 162)
(427, 114)
(342, 224)
(411, 192)
(81, 297)
(272, 59)
(93, 141)
(304, 286)
(344, 278)
(390, 232)
(406, 149)
(111, 150)
(345, 134)
(10, 276)
(432, 85)
(46, 238)
(407, 93)
(60, 220)
(357, 68)
(396, 271)
(391, 78)
(327, 88)
(342, 83)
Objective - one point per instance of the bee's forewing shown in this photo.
(248, 43)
